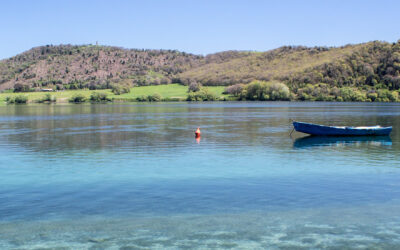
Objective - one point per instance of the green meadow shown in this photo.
(173, 92)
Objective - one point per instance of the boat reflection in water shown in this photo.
(339, 141)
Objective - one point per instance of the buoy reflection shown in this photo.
(198, 138)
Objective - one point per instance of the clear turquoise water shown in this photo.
(132, 176)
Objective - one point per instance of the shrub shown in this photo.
(59, 87)
(394, 97)
(304, 96)
(48, 98)
(346, 94)
(385, 95)
(329, 98)
(19, 99)
(263, 91)
(278, 91)
(234, 90)
(352, 95)
(99, 97)
(191, 97)
(126, 89)
(359, 96)
(141, 98)
(372, 96)
(254, 91)
(10, 99)
(203, 95)
(154, 97)
(77, 98)
(317, 92)
(19, 87)
(207, 95)
(118, 89)
(194, 87)
(335, 91)
(165, 80)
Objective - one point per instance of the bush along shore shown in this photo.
(278, 91)
(254, 91)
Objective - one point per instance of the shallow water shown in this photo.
(132, 176)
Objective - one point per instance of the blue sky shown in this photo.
(199, 27)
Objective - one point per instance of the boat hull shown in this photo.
(315, 129)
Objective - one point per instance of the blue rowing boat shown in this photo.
(315, 129)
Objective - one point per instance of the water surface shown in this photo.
(128, 176)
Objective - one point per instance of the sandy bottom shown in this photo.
(372, 226)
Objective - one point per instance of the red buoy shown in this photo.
(197, 133)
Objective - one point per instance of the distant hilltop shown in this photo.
(367, 65)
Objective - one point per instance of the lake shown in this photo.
(132, 176)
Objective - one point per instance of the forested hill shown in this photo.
(372, 64)
(368, 65)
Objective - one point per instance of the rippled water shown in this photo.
(132, 176)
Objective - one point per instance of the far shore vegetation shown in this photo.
(366, 72)
(254, 91)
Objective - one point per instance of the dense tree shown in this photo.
(265, 91)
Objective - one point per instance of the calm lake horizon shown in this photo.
(133, 176)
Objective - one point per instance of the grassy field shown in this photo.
(171, 91)
(174, 91)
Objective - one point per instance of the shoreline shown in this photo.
(154, 93)
(183, 102)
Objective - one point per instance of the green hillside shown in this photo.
(276, 64)
(310, 73)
